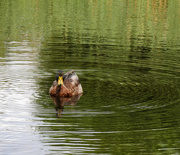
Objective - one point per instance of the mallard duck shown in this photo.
(66, 85)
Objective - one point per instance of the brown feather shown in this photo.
(70, 88)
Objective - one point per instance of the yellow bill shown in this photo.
(60, 80)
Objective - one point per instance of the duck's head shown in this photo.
(59, 77)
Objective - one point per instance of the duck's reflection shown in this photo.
(60, 102)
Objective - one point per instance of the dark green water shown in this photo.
(127, 56)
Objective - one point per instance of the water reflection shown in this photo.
(127, 56)
(60, 102)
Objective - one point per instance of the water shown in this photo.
(126, 55)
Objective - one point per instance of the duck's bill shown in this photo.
(60, 80)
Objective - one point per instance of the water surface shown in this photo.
(126, 55)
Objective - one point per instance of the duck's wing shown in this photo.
(70, 72)
(71, 81)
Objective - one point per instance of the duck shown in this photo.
(66, 85)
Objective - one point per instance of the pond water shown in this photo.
(127, 56)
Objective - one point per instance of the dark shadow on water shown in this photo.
(60, 102)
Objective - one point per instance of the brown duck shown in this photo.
(66, 85)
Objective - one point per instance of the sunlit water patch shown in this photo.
(18, 88)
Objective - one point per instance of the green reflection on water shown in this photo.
(127, 57)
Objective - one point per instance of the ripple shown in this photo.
(139, 93)
(148, 96)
